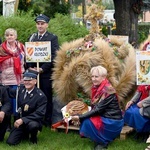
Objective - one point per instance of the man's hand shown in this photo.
(2, 114)
(40, 70)
(17, 123)
(75, 120)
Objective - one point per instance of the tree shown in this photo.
(48, 7)
(24, 5)
(57, 6)
(126, 16)
(146, 5)
(126, 19)
(39, 7)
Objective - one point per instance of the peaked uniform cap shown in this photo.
(42, 18)
(30, 74)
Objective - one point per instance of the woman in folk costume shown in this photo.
(135, 111)
(104, 122)
(11, 61)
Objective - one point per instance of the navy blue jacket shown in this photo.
(32, 108)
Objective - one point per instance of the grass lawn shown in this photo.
(50, 140)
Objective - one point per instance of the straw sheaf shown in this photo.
(61, 59)
(72, 75)
(127, 78)
(123, 51)
(116, 41)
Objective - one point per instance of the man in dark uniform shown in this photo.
(31, 110)
(45, 69)
(5, 110)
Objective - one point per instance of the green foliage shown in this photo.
(48, 7)
(55, 6)
(84, 98)
(143, 31)
(66, 29)
(63, 26)
(24, 5)
(23, 23)
(104, 30)
(38, 7)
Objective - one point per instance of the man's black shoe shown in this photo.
(33, 140)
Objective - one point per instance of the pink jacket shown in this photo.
(8, 75)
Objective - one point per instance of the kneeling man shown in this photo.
(31, 110)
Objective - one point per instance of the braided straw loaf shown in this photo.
(76, 107)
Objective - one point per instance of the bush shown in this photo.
(63, 26)
(23, 23)
(143, 31)
(66, 29)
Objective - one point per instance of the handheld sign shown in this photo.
(38, 52)
(143, 67)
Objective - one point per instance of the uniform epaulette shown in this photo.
(39, 92)
(31, 38)
(52, 34)
(23, 90)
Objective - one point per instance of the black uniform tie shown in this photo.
(26, 95)
(40, 36)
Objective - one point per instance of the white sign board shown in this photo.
(38, 51)
(143, 67)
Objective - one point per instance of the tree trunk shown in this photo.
(83, 11)
(126, 19)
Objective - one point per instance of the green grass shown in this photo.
(50, 140)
